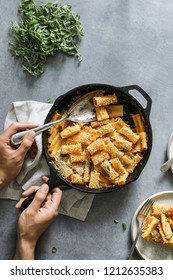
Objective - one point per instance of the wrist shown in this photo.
(25, 250)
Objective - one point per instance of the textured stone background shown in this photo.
(125, 42)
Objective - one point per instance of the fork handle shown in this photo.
(16, 138)
(133, 246)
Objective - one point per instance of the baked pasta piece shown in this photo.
(104, 100)
(102, 153)
(69, 131)
(115, 111)
(94, 179)
(158, 226)
(101, 113)
(139, 122)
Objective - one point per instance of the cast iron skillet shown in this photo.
(131, 106)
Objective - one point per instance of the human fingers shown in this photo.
(26, 144)
(56, 194)
(45, 179)
(30, 190)
(39, 198)
(33, 150)
(25, 194)
(47, 202)
(15, 127)
(52, 202)
(48, 197)
(32, 154)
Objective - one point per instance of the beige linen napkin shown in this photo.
(74, 203)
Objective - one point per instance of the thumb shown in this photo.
(27, 142)
(39, 198)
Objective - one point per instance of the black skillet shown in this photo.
(131, 106)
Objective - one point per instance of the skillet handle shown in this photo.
(144, 94)
(27, 201)
(53, 181)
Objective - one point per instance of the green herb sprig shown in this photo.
(108, 168)
(124, 226)
(44, 29)
(168, 236)
(54, 250)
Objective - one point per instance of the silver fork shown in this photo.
(141, 216)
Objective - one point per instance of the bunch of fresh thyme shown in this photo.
(44, 29)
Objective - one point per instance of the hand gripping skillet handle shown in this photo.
(53, 181)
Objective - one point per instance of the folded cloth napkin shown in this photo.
(74, 203)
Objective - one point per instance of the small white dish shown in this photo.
(150, 250)
(170, 150)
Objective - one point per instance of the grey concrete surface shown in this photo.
(125, 42)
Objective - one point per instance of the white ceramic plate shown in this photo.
(150, 250)
(170, 149)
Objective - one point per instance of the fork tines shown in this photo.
(146, 207)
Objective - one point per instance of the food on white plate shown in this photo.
(158, 226)
(102, 153)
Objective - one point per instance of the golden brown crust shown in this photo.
(158, 226)
(97, 154)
